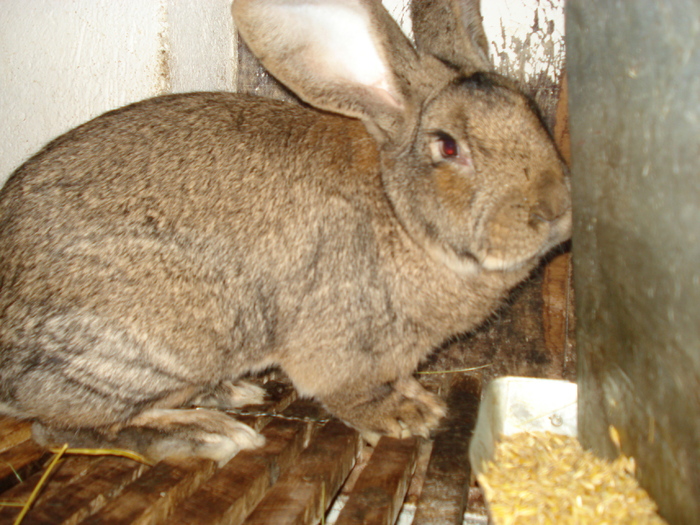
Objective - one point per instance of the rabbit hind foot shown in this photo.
(162, 433)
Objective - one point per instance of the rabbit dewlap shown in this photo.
(154, 255)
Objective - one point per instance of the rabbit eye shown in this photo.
(448, 147)
(444, 147)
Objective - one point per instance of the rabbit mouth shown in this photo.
(500, 263)
(515, 257)
(464, 261)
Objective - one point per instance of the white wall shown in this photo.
(63, 62)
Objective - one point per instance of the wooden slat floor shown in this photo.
(294, 478)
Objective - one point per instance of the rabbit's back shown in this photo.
(198, 173)
(165, 155)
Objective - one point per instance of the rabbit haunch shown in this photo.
(154, 255)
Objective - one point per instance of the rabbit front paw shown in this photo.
(231, 394)
(399, 410)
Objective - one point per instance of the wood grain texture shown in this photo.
(13, 432)
(303, 494)
(558, 317)
(69, 470)
(381, 488)
(234, 490)
(446, 487)
(104, 479)
(19, 463)
(151, 498)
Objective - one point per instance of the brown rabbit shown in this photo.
(157, 253)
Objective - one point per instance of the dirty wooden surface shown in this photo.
(235, 490)
(446, 488)
(303, 493)
(379, 493)
(558, 286)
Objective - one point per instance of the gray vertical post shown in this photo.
(634, 72)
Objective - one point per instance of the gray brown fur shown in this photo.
(161, 251)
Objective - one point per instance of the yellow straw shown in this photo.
(455, 371)
(42, 480)
(106, 452)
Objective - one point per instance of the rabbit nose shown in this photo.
(553, 199)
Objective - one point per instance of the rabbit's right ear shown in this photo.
(344, 56)
(453, 31)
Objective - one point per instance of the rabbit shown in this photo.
(158, 253)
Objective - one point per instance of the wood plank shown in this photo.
(303, 494)
(67, 471)
(381, 488)
(234, 491)
(557, 287)
(13, 432)
(151, 498)
(446, 487)
(557, 313)
(278, 397)
(105, 479)
(19, 463)
(561, 122)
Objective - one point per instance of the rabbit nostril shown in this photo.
(543, 211)
(552, 201)
(547, 210)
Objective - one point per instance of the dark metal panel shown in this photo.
(634, 71)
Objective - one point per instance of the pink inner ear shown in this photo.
(386, 95)
(340, 41)
(332, 53)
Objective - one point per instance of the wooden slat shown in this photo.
(381, 488)
(279, 396)
(446, 487)
(19, 463)
(557, 312)
(303, 494)
(234, 491)
(105, 479)
(68, 470)
(13, 432)
(150, 498)
(557, 287)
(561, 123)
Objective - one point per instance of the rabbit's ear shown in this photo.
(344, 56)
(452, 30)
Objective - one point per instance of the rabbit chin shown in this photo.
(469, 264)
(460, 264)
(466, 262)
(504, 262)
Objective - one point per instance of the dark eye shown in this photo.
(444, 147)
(448, 146)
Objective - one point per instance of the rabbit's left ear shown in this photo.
(452, 30)
(344, 56)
